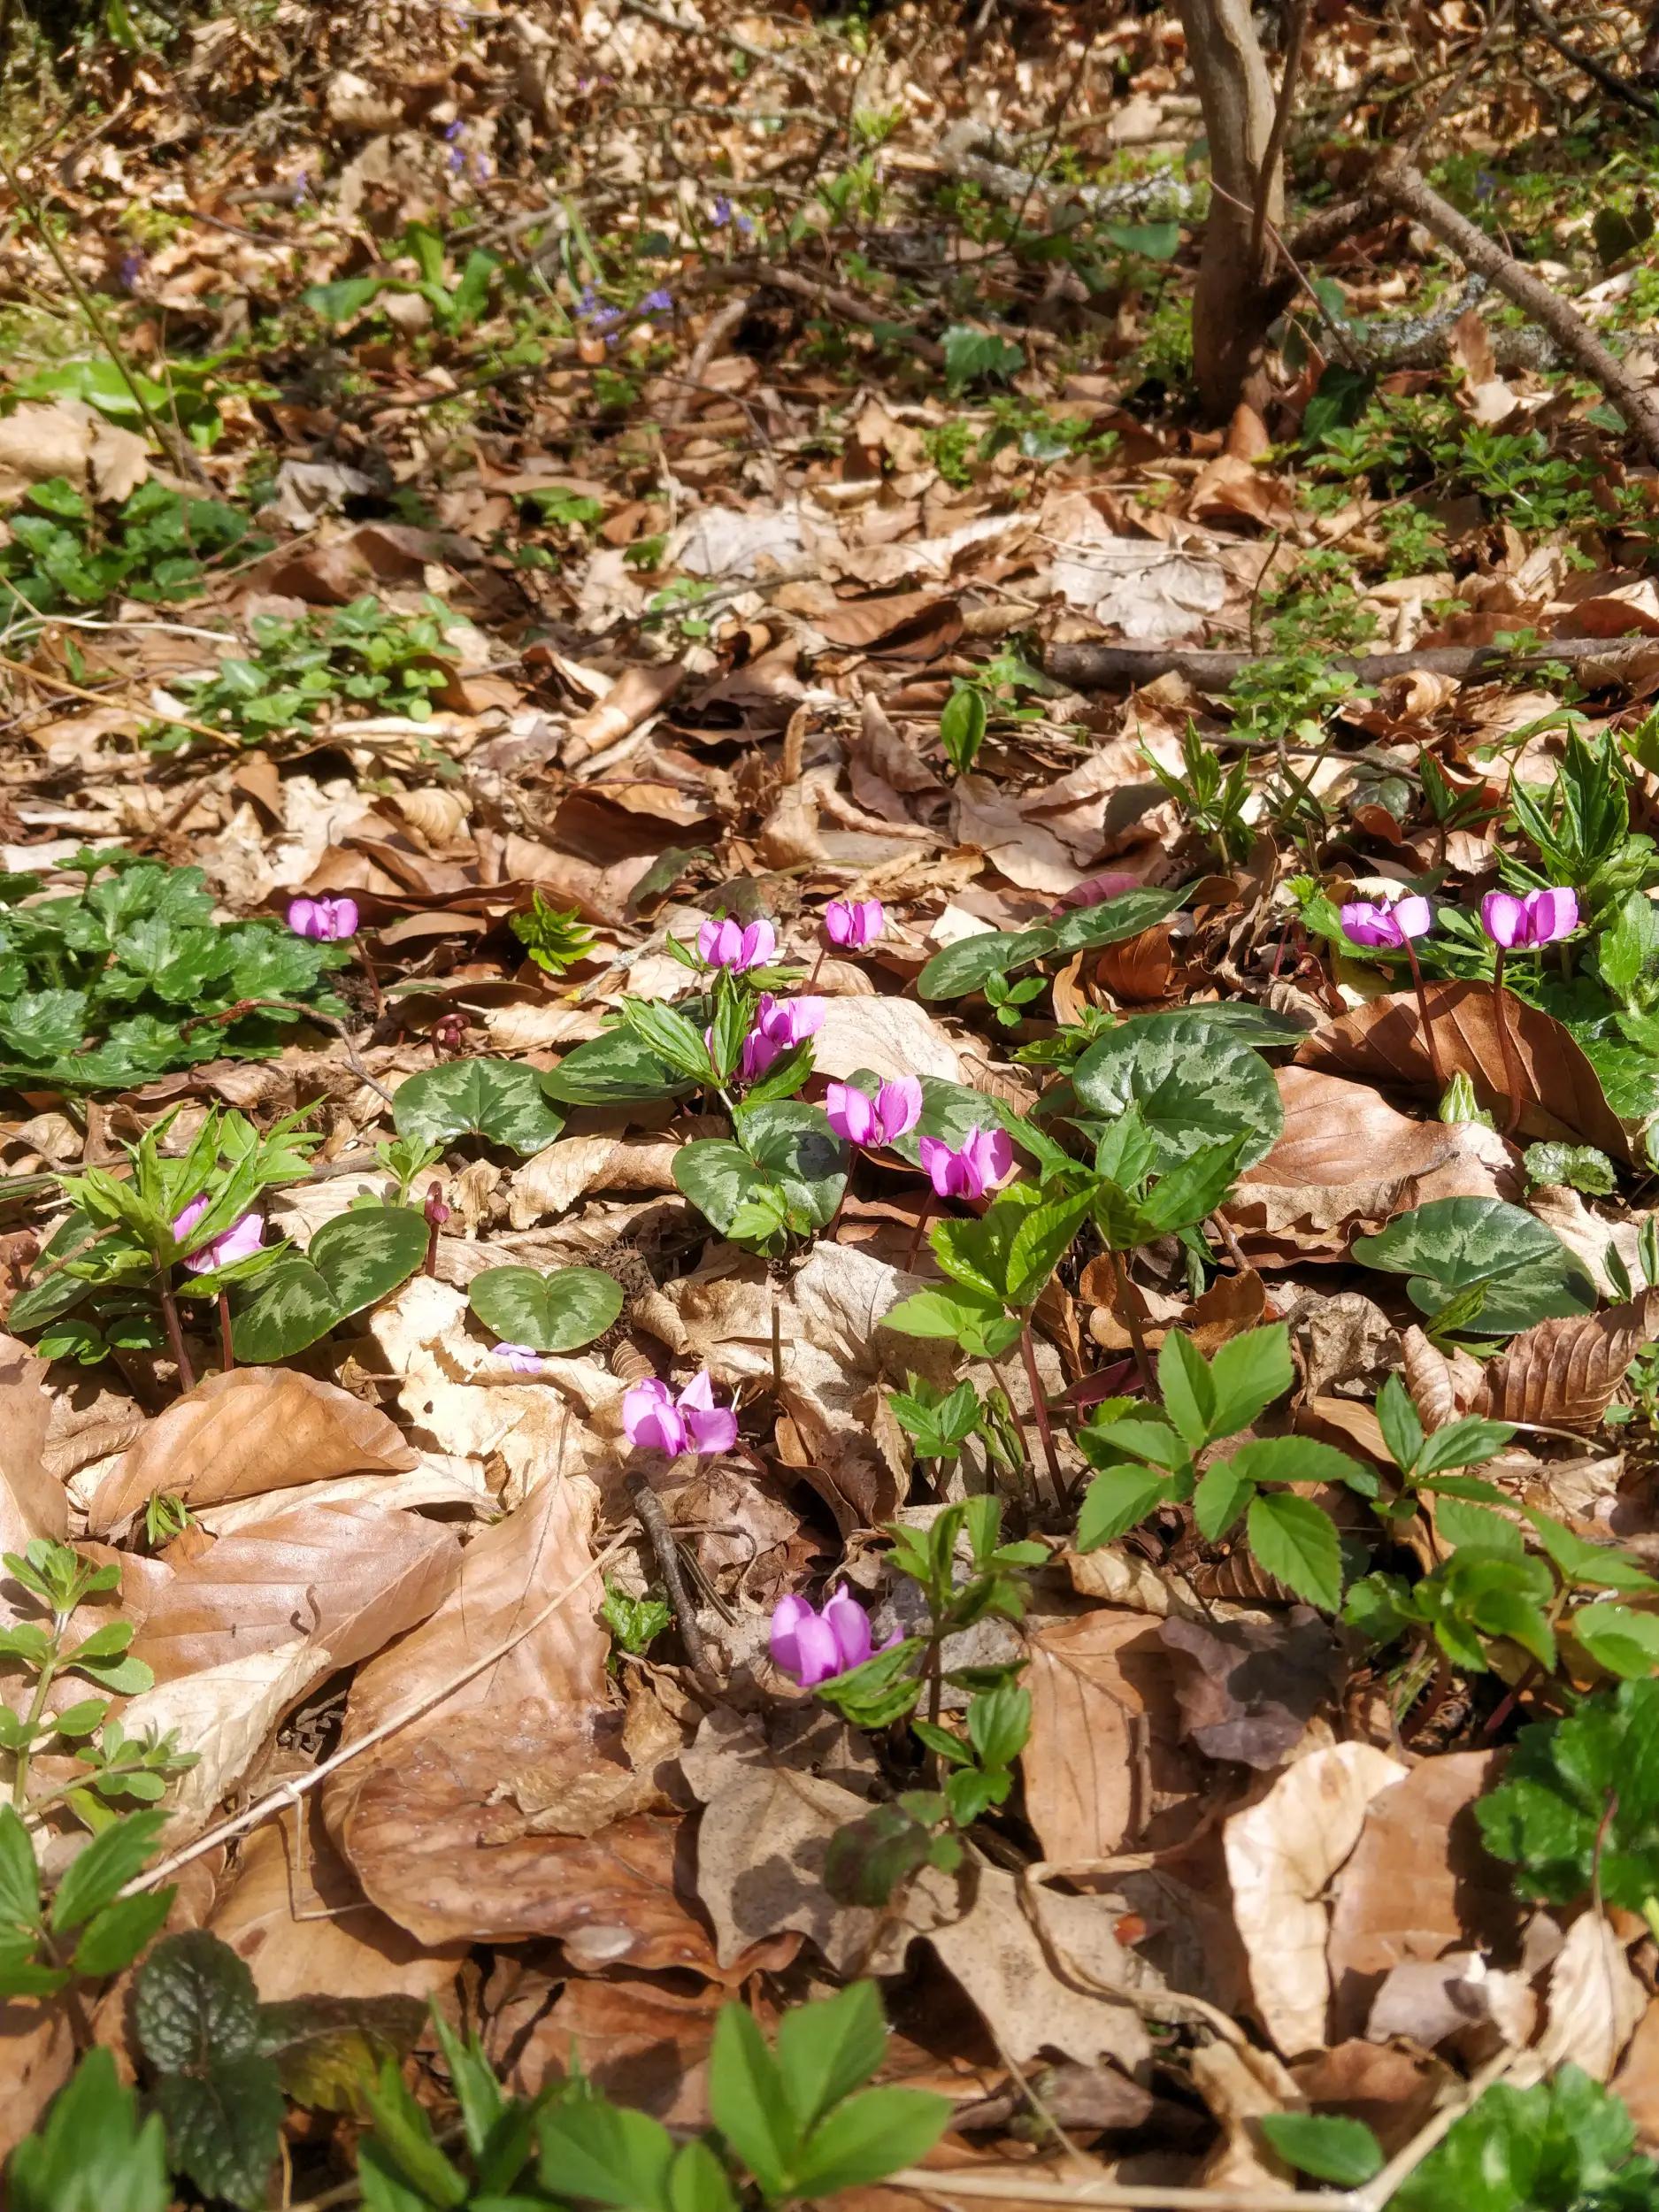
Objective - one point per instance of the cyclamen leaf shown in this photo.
(496, 1099)
(551, 1313)
(353, 1261)
(1455, 1245)
(1192, 1087)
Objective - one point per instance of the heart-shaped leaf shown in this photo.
(496, 1099)
(1193, 1085)
(354, 1261)
(1454, 1245)
(615, 1070)
(782, 1151)
(550, 1313)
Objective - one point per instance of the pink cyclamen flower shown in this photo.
(524, 1359)
(1369, 922)
(984, 1159)
(812, 1646)
(724, 945)
(326, 918)
(873, 1123)
(244, 1237)
(781, 1024)
(854, 923)
(657, 1421)
(1538, 918)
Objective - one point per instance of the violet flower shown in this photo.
(1369, 922)
(524, 1359)
(724, 945)
(329, 919)
(874, 1123)
(811, 1646)
(854, 923)
(657, 303)
(781, 1024)
(657, 1421)
(1537, 918)
(984, 1159)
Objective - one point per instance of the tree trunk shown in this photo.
(1236, 299)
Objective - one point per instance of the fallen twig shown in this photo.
(1587, 66)
(1596, 660)
(239, 1823)
(1402, 186)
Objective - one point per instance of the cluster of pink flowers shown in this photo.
(244, 1236)
(1536, 917)
(657, 1421)
(724, 945)
(781, 1024)
(812, 1646)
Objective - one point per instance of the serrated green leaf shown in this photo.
(1297, 1542)
(104, 1866)
(1324, 2145)
(749, 2103)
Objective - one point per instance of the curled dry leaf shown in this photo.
(1281, 1855)
(550, 1184)
(1594, 2001)
(1248, 1687)
(31, 1502)
(1561, 1095)
(639, 2042)
(293, 1911)
(763, 1840)
(256, 1429)
(1039, 1988)
(1347, 1161)
(1101, 1764)
(420, 1818)
(1443, 1386)
(1563, 1374)
(1420, 1883)
(237, 1638)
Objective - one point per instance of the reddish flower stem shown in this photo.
(1039, 1407)
(1132, 1322)
(227, 1358)
(175, 1334)
(1506, 1047)
(922, 1220)
(1429, 1038)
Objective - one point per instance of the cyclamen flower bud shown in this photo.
(781, 1024)
(984, 1159)
(874, 1123)
(811, 1646)
(724, 945)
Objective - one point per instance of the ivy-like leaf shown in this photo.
(497, 1099)
(353, 1261)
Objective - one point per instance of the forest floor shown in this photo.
(747, 1298)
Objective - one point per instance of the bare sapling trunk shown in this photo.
(1236, 299)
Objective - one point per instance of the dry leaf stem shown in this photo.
(654, 1521)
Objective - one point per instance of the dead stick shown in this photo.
(1400, 184)
(1091, 667)
(1588, 65)
(664, 1542)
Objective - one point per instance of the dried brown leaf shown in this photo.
(1561, 1096)
(254, 1429)
(1281, 1855)
(1563, 1374)
(1101, 1762)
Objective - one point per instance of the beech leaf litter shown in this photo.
(829, 1106)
